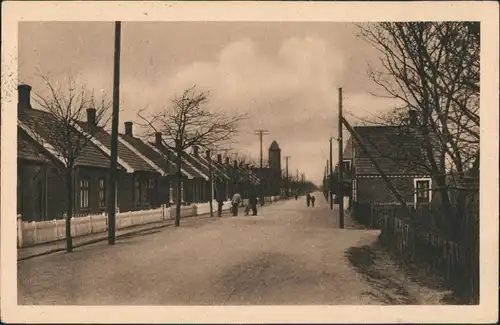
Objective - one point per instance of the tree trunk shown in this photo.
(179, 190)
(69, 209)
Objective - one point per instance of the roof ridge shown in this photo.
(102, 147)
(46, 145)
(139, 154)
(166, 158)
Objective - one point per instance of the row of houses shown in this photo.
(146, 169)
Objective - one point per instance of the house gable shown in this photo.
(396, 151)
(40, 125)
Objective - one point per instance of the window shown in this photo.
(354, 190)
(84, 193)
(171, 193)
(346, 166)
(182, 192)
(137, 196)
(102, 192)
(422, 191)
(144, 191)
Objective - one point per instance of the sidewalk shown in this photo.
(60, 245)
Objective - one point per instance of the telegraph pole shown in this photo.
(341, 169)
(331, 175)
(287, 177)
(261, 133)
(114, 137)
(210, 181)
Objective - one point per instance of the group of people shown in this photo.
(310, 199)
(253, 200)
(236, 202)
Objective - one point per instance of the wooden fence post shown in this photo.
(19, 231)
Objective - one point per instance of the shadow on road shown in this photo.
(385, 288)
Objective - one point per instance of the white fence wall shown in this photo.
(38, 232)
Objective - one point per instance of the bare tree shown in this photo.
(189, 122)
(58, 131)
(433, 69)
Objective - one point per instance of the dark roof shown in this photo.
(397, 151)
(124, 153)
(46, 125)
(274, 146)
(148, 152)
(224, 169)
(27, 149)
(186, 167)
(201, 163)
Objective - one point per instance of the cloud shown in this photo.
(292, 93)
(289, 93)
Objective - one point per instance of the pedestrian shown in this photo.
(220, 202)
(296, 195)
(235, 203)
(308, 199)
(312, 200)
(252, 201)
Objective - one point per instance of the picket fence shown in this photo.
(457, 262)
(39, 232)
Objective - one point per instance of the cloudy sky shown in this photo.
(284, 75)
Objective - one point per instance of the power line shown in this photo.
(261, 134)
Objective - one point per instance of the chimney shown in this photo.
(91, 116)
(207, 154)
(128, 128)
(219, 159)
(24, 96)
(413, 117)
(227, 161)
(195, 151)
(158, 136)
(235, 164)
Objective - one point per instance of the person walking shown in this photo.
(312, 200)
(235, 203)
(308, 199)
(220, 202)
(252, 201)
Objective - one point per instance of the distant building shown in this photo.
(271, 175)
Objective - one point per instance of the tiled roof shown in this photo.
(200, 169)
(28, 150)
(219, 171)
(201, 163)
(124, 153)
(45, 124)
(396, 151)
(147, 151)
(187, 168)
(223, 168)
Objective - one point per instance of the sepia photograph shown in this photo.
(192, 156)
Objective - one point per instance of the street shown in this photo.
(289, 254)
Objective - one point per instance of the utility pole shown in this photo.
(341, 169)
(331, 175)
(287, 177)
(261, 133)
(114, 138)
(210, 181)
